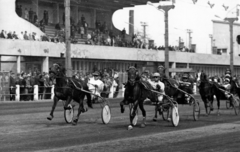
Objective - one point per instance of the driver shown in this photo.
(186, 85)
(95, 85)
(157, 85)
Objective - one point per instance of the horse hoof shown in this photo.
(67, 108)
(143, 125)
(130, 127)
(211, 109)
(50, 117)
(122, 108)
(74, 122)
(154, 119)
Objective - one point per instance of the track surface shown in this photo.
(24, 127)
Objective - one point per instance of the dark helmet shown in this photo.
(228, 71)
(185, 75)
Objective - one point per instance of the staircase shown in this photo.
(50, 31)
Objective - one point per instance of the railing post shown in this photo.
(17, 93)
(52, 92)
(123, 90)
(111, 92)
(35, 93)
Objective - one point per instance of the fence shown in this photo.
(21, 94)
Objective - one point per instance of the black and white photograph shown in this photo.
(119, 75)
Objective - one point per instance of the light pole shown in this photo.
(144, 24)
(231, 20)
(165, 8)
(68, 62)
(211, 37)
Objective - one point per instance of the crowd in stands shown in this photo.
(101, 35)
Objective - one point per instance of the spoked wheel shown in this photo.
(175, 116)
(235, 102)
(68, 114)
(165, 113)
(196, 110)
(133, 116)
(106, 114)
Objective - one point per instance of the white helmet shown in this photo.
(156, 74)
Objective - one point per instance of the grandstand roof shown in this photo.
(106, 4)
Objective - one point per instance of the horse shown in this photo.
(67, 88)
(235, 86)
(207, 91)
(135, 93)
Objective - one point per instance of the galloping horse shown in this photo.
(136, 92)
(67, 89)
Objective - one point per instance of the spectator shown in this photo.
(21, 36)
(57, 26)
(85, 26)
(9, 35)
(33, 36)
(123, 33)
(82, 19)
(35, 18)
(42, 26)
(45, 17)
(25, 36)
(2, 34)
(30, 37)
(14, 35)
(26, 15)
(20, 11)
(12, 85)
(30, 15)
(5, 34)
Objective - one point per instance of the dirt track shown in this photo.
(24, 127)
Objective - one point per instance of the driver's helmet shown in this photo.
(185, 76)
(228, 71)
(161, 67)
(156, 74)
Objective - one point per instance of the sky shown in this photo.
(186, 15)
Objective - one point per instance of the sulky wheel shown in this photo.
(196, 110)
(175, 116)
(235, 103)
(133, 116)
(68, 114)
(106, 114)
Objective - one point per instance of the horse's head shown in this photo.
(56, 71)
(132, 74)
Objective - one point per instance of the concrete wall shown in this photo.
(42, 49)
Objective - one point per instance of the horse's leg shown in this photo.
(89, 101)
(211, 99)
(143, 113)
(69, 99)
(80, 110)
(156, 110)
(218, 104)
(55, 101)
(132, 114)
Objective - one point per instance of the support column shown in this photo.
(131, 21)
(94, 18)
(45, 65)
(35, 6)
(231, 20)
(68, 62)
(19, 64)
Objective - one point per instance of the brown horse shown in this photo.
(68, 89)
